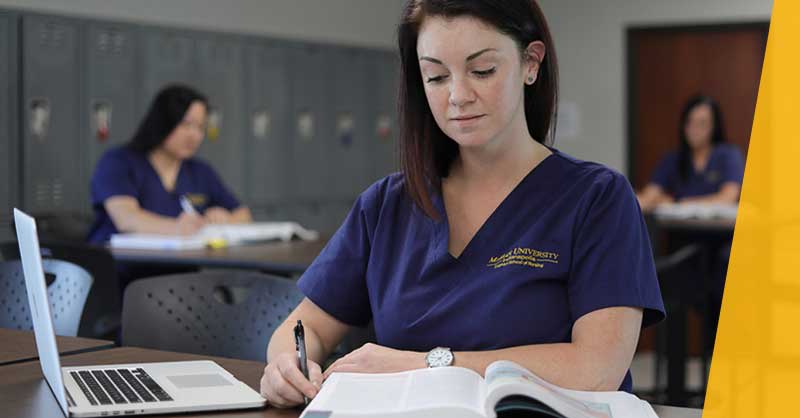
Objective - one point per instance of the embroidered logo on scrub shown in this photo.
(528, 257)
(197, 199)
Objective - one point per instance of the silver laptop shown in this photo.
(121, 389)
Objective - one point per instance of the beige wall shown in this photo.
(590, 38)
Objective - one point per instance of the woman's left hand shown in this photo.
(373, 358)
(217, 215)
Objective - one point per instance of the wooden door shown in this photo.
(667, 65)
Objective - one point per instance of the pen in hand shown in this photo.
(300, 346)
(186, 205)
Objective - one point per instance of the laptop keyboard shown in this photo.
(120, 386)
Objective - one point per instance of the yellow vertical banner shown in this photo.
(755, 369)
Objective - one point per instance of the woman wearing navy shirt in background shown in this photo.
(488, 245)
(138, 187)
(704, 169)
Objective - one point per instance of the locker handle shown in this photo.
(101, 119)
(39, 118)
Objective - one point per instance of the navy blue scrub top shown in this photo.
(726, 164)
(124, 172)
(568, 240)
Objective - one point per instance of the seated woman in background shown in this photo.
(138, 187)
(704, 169)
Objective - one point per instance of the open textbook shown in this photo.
(508, 390)
(217, 234)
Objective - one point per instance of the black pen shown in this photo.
(300, 346)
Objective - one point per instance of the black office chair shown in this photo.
(103, 309)
(63, 226)
(68, 286)
(221, 313)
(683, 281)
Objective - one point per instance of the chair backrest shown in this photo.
(63, 225)
(67, 292)
(103, 309)
(221, 313)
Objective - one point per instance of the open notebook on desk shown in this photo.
(455, 392)
(704, 211)
(215, 235)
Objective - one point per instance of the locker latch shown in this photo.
(39, 118)
(344, 129)
(262, 122)
(214, 123)
(101, 119)
(383, 127)
(305, 125)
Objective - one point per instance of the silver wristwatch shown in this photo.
(439, 357)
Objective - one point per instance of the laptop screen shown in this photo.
(39, 305)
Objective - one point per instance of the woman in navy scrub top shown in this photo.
(705, 169)
(488, 242)
(138, 187)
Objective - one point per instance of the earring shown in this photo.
(530, 79)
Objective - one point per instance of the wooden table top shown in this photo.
(24, 392)
(19, 346)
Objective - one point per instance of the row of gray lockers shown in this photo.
(296, 129)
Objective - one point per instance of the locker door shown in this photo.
(9, 177)
(311, 215)
(311, 124)
(385, 73)
(108, 105)
(168, 56)
(50, 101)
(220, 74)
(267, 128)
(336, 213)
(349, 159)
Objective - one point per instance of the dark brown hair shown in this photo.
(426, 153)
(717, 134)
(165, 113)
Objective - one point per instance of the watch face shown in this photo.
(439, 357)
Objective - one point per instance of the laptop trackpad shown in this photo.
(188, 381)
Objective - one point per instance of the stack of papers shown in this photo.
(215, 235)
(680, 211)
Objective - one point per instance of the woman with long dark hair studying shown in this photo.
(145, 185)
(489, 244)
(704, 169)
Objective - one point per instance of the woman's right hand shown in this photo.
(283, 384)
(189, 223)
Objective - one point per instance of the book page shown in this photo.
(504, 378)
(445, 386)
(446, 391)
(358, 392)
